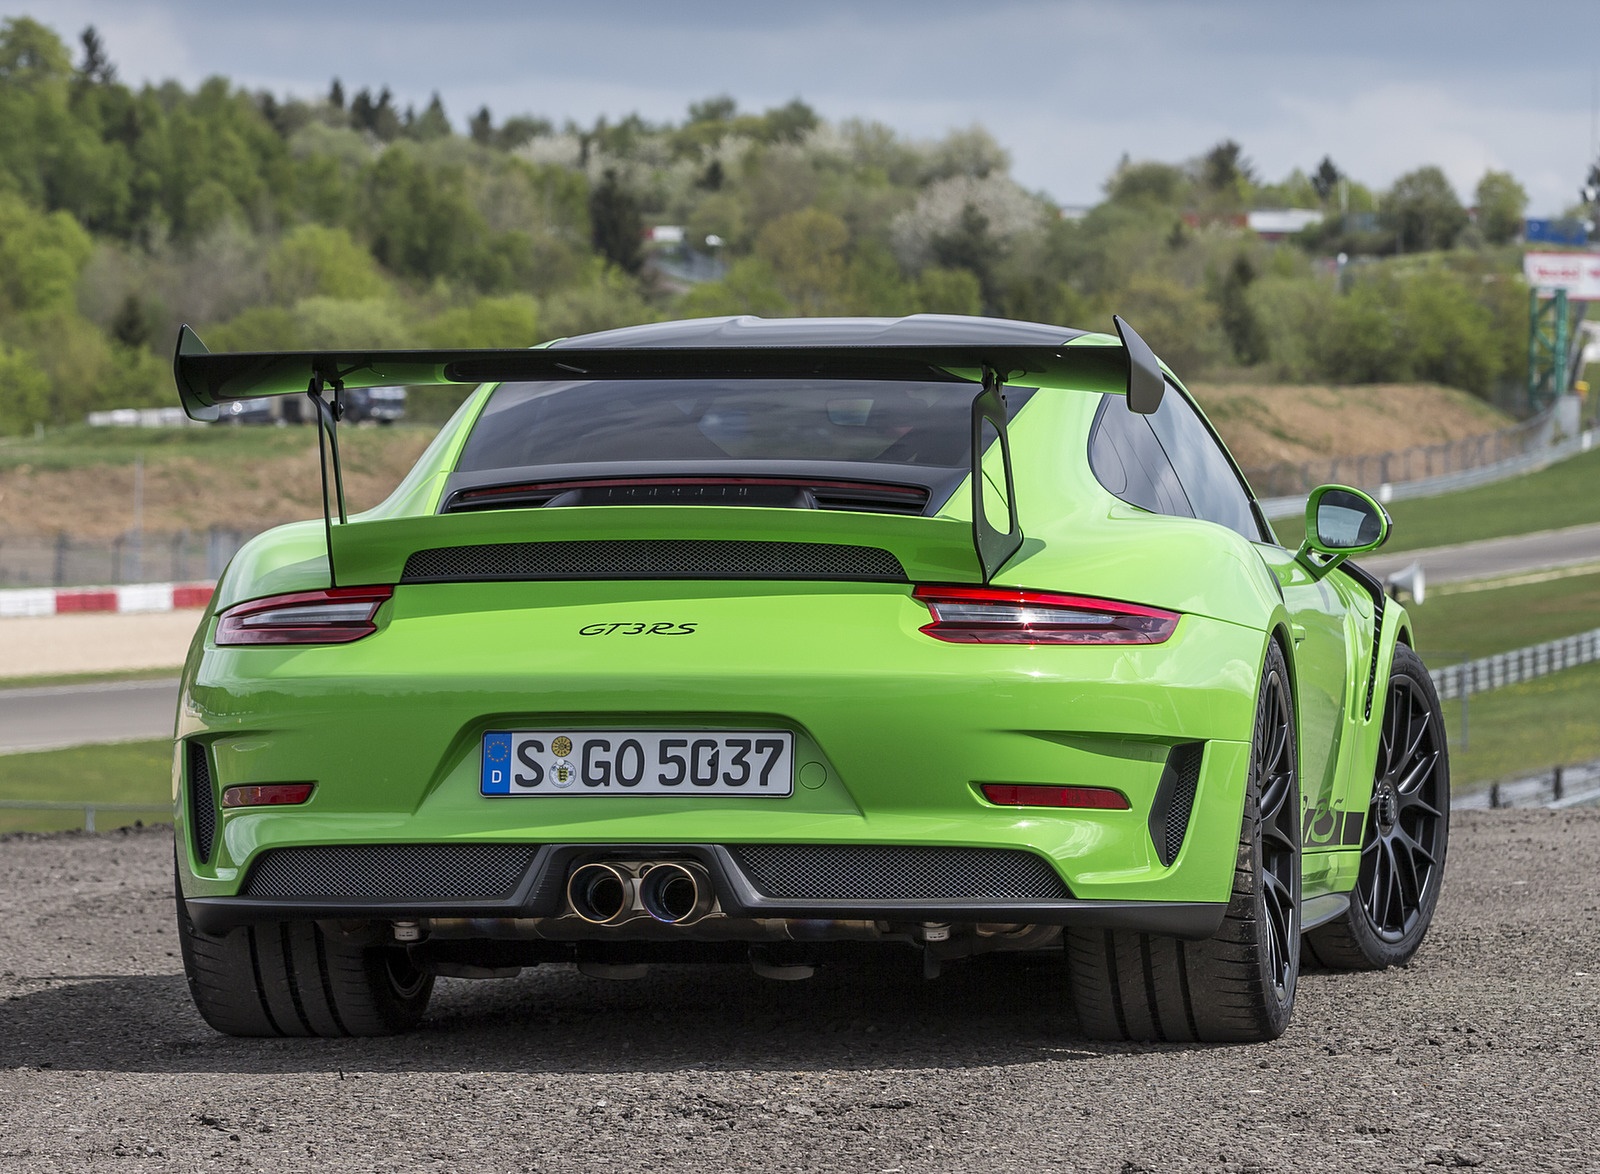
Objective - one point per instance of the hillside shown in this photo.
(81, 480)
(1268, 423)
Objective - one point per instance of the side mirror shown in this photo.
(1340, 521)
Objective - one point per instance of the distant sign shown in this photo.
(1564, 231)
(1577, 273)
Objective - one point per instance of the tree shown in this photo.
(1153, 184)
(1422, 211)
(314, 260)
(721, 108)
(481, 127)
(1226, 175)
(806, 252)
(1501, 204)
(31, 54)
(1325, 179)
(434, 123)
(616, 225)
(336, 95)
(96, 69)
(1237, 315)
(969, 245)
(130, 326)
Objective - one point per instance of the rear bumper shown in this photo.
(811, 883)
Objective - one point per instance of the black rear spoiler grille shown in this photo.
(665, 558)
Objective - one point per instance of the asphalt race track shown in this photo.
(1484, 1052)
(55, 716)
(1494, 557)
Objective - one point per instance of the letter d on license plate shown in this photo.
(538, 763)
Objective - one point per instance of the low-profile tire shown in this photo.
(1239, 986)
(1407, 832)
(285, 978)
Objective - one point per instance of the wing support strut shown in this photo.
(994, 547)
(328, 416)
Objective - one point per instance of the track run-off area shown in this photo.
(1483, 1052)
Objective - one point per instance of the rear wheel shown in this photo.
(296, 979)
(1239, 986)
(1408, 829)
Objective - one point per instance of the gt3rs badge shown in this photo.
(639, 629)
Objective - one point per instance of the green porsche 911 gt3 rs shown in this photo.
(759, 640)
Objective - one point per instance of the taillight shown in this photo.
(268, 795)
(1032, 795)
(335, 616)
(1006, 615)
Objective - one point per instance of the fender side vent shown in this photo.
(1174, 802)
(202, 802)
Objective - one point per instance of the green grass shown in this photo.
(127, 772)
(47, 679)
(1477, 623)
(1527, 728)
(79, 446)
(1565, 494)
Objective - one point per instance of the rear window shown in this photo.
(903, 423)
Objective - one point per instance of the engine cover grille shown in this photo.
(416, 872)
(653, 558)
(829, 873)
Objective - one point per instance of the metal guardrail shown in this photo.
(1520, 664)
(88, 807)
(63, 560)
(1561, 787)
(1528, 462)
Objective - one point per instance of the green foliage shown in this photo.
(1502, 201)
(1422, 210)
(41, 257)
(281, 222)
(511, 321)
(1179, 323)
(24, 391)
(616, 224)
(806, 253)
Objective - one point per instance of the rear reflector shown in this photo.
(1028, 795)
(335, 616)
(267, 795)
(1007, 615)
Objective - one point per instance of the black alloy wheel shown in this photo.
(1407, 832)
(1273, 752)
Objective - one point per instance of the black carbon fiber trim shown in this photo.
(419, 872)
(202, 803)
(652, 558)
(784, 872)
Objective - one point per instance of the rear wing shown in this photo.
(206, 381)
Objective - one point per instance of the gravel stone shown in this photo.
(1484, 1052)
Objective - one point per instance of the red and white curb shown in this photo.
(136, 597)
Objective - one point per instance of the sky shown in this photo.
(1067, 86)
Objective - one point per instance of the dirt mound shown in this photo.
(1266, 424)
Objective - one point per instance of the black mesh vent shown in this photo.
(652, 558)
(421, 872)
(202, 803)
(1174, 801)
(809, 873)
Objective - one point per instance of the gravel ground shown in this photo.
(1484, 1052)
(95, 642)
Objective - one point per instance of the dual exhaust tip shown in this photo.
(673, 892)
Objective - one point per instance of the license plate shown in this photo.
(638, 762)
